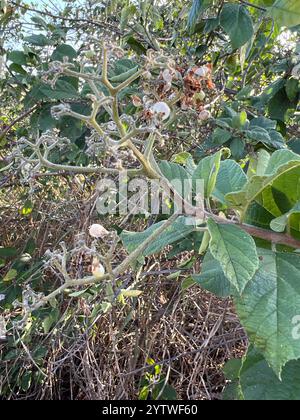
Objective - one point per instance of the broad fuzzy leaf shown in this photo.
(212, 277)
(258, 381)
(231, 177)
(178, 230)
(197, 9)
(237, 23)
(207, 170)
(236, 252)
(286, 12)
(269, 305)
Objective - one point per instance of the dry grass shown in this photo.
(189, 333)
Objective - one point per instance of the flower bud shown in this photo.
(98, 231)
(204, 115)
(97, 268)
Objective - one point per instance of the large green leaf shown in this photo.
(286, 12)
(212, 277)
(269, 305)
(178, 230)
(177, 176)
(231, 177)
(38, 40)
(259, 382)
(197, 9)
(282, 173)
(207, 170)
(237, 23)
(63, 50)
(236, 252)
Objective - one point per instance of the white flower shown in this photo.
(98, 231)
(204, 115)
(2, 297)
(202, 71)
(162, 109)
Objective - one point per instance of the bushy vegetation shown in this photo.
(101, 100)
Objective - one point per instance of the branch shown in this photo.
(255, 6)
(20, 118)
(103, 25)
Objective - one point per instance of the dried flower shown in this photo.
(204, 115)
(98, 231)
(136, 100)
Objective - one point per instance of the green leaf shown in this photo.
(50, 320)
(237, 23)
(286, 12)
(39, 40)
(127, 13)
(124, 76)
(196, 11)
(239, 121)
(207, 170)
(253, 380)
(279, 105)
(230, 178)
(17, 57)
(177, 176)
(236, 252)
(63, 50)
(16, 68)
(221, 136)
(258, 134)
(40, 22)
(10, 276)
(259, 382)
(136, 46)
(292, 89)
(263, 122)
(279, 224)
(269, 138)
(212, 277)
(62, 90)
(8, 252)
(282, 172)
(178, 230)
(294, 145)
(269, 305)
(237, 148)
